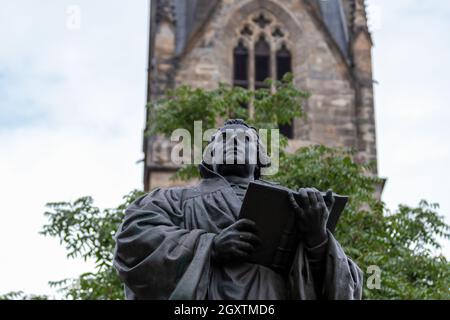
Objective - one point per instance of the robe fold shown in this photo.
(163, 251)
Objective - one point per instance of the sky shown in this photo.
(72, 97)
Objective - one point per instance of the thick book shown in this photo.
(269, 207)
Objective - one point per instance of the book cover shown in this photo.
(269, 207)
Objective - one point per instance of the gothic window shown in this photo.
(262, 62)
(241, 66)
(284, 62)
(261, 20)
(262, 52)
(284, 65)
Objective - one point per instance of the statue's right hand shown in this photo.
(236, 242)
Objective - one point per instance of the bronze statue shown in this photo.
(189, 243)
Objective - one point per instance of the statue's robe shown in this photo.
(163, 251)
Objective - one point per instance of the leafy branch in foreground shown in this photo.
(275, 105)
(20, 295)
(403, 244)
(88, 232)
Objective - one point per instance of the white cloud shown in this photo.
(412, 101)
(72, 114)
(57, 165)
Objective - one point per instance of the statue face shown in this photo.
(235, 150)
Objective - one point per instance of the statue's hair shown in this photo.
(236, 122)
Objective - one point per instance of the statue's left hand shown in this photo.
(312, 215)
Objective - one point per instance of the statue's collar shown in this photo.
(212, 181)
(207, 173)
(238, 180)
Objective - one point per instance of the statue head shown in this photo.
(236, 150)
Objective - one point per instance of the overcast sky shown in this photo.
(72, 114)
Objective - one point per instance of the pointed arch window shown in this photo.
(284, 62)
(262, 62)
(241, 66)
(284, 65)
(262, 53)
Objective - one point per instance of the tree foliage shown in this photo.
(20, 295)
(403, 244)
(87, 232)
(277, 104)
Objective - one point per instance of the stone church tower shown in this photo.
(326, 44)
